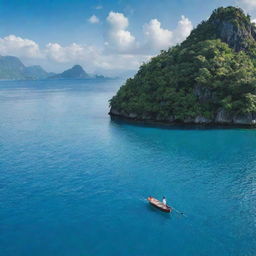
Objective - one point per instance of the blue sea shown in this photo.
(75, 183)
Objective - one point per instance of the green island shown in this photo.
(210, 78)
(12, 68)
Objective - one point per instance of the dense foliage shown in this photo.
(197, 78)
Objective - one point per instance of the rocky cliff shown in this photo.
(230, 25)
(209, 79)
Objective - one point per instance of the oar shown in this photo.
(181, 213)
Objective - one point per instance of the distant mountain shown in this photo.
(12, 68)
(76, 72)
(36, 72)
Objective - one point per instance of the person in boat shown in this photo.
(164, 201)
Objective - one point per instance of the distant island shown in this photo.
(11, 68)
(76, 72)
(208, 79)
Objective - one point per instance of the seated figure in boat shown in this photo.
(164, 200)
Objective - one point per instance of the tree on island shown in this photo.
(209, 78)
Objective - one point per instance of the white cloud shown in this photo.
(20, 47)
(158, 38)
(122, 61)
(248, 4)
(117, 37)
(183, 29)
(120, 51)
(94, 19)
(60, 54)
(91, 57)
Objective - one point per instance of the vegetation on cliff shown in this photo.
(210, 77)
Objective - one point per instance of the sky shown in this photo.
(107, 37)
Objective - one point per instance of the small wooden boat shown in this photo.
(158, 204)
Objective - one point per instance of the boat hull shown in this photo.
(159, 205)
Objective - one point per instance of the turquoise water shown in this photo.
(74, 183)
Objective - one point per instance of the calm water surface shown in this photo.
(74, 183)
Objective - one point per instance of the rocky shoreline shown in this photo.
(222, 118)
(208, 80)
